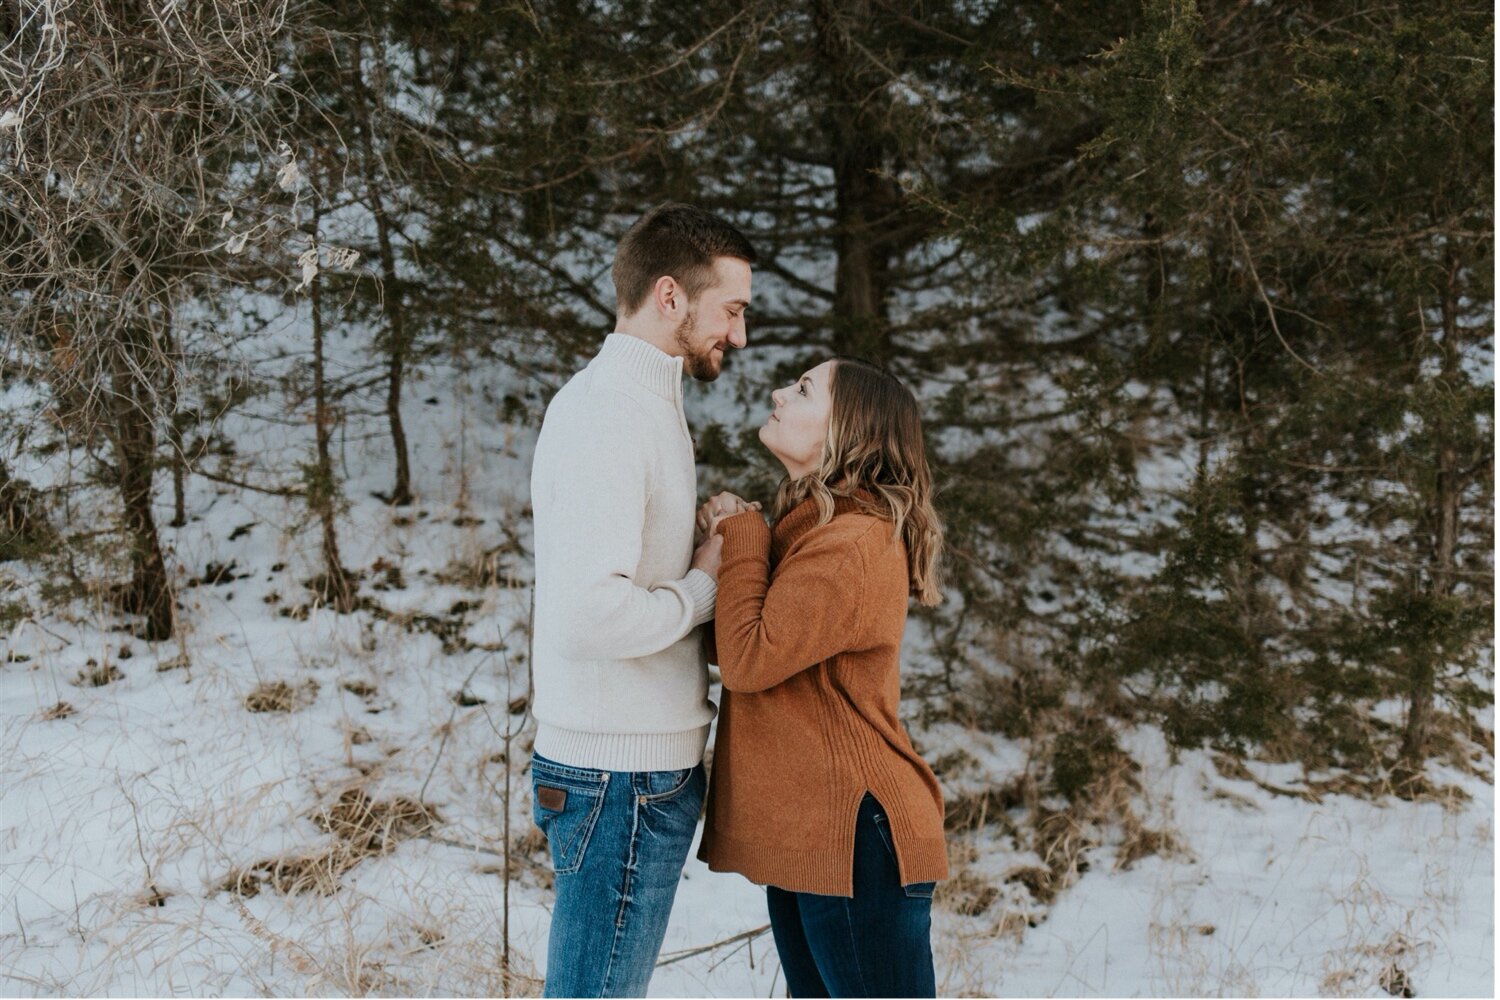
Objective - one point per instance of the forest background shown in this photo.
(1197, 296)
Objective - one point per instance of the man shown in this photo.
(621, 687)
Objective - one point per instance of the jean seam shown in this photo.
(864, 990)
(614, 953)
(628, 882)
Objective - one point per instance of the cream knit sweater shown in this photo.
(619, 676)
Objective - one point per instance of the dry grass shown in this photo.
(1040, 882)
(59, 711)
(316, 872)
(279, 696)
(374, 826)
(178, 662)
(966, 893)
(362, 827)
(1141, 841)
(529, 861)
(970, 810)
(1060, 831)
(360, 689)
(475, 570)
(96, 674)
(1370, 787)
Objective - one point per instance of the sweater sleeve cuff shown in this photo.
(746, 530)
(702, 590)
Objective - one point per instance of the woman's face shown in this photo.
(798, 424)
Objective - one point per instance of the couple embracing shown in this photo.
(817, 793)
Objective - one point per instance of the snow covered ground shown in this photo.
(146, 822)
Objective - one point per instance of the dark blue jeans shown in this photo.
(877, 944)
(618, 841)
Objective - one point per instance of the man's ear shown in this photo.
(667, 295)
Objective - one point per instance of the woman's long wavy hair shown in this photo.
(875, 443)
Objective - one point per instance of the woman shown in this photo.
(817, 792)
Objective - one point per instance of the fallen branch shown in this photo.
(749, 935)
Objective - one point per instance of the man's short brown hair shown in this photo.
(675, 240)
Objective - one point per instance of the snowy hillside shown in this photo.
(292, 801)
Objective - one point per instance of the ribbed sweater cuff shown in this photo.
(746, 530)
(702, 590)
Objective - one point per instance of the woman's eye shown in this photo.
(802, 388)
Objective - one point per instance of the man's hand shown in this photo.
(714, 510)
(708, 554)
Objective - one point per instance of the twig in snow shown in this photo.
(447, 730)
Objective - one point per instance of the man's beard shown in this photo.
(699, 363)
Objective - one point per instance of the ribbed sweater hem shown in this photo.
(827, 871)
(622, 751)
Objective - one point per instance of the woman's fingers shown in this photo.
(719, 506)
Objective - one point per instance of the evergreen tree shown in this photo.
(1287, 226)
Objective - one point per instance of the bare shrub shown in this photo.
(123, 123)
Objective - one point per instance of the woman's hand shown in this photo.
(714, 510)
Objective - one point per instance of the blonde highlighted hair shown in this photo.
(875, 444)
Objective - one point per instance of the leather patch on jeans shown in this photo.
(551, 799)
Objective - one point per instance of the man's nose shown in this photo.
(737, 338)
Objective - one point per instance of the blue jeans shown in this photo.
(618, 841)
(877, 944)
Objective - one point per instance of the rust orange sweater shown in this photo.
(808, 635)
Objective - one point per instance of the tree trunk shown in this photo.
(335, 586)
(392, 300)
(401, 494)
(864, 200)
(133, 436)
(1448, 491)
(174, 429)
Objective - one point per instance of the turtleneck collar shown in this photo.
(801, 518)
(645, 363)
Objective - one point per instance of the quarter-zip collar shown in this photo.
(657, 371)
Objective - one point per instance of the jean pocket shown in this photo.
(662, 786)
(919, 890)
(566, 803)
